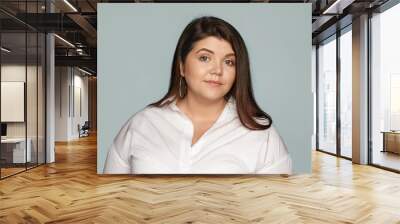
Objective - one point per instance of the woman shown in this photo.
(208, 122)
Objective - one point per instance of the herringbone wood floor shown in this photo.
(70, 191)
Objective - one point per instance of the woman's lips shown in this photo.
(213, 83)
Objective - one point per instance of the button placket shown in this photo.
(185, 158)
(194, 149)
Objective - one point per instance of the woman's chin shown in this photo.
(213, 97)
(210, 95)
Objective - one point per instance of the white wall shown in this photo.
(70, 83)
(62, 80)
(80, 89)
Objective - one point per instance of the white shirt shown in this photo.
(159, 141)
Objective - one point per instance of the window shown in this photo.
(327, 96)
(346, 92)
(385, 88)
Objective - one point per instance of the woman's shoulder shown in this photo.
(137, 118)
(273, 132)
(144, 114)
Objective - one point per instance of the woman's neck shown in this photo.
(200, 109)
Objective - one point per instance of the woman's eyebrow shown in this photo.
(205, 49)
(212, 52)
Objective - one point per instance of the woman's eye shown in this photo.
(204, 58)
(230, 62)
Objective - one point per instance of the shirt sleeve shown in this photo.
(274, 156)
(118, 157)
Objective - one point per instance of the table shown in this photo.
(16, 147)
(391, 141)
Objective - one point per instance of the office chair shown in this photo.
(84, 130)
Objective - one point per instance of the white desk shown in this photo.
(18, 149)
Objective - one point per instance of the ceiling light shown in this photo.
(329, 9)
(5, 49)
(86, 72)
(338, 6)
(64, 40)
(70, 5)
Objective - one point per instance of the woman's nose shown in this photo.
(217, 68)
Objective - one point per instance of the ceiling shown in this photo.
(76, 22)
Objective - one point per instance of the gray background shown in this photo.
(136, 43)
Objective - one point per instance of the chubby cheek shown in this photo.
(194, 78)
(230, 79)
(194, 72)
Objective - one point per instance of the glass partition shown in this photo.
(22, 63)
(31, 100)
(41, 109)
(13, 110)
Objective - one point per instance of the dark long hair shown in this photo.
(241, 90)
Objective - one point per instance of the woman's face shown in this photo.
(209, 68)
